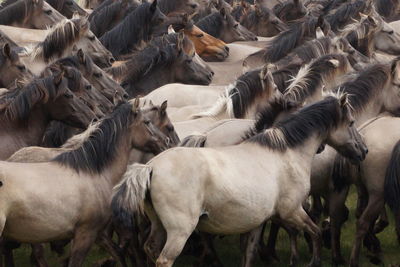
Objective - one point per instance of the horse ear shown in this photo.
(135, 106)
(35, 2)
(153, 6)
(7, 50)
(319, 33)
(164, 106)
(372, 20)
(171, 29)
(343, 100)
(181, 38)
(58, 77)
(334, 62)
(81, 56)
(222, 11)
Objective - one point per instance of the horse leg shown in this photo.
(268, 252)
(294, 253)
(106, 242)
(81, 244)
(177, 235)
(397, 220)
(252, 239)
(37, 256)
(382, 223)
(208, 256)
(338, 215)
(8, 252)
(302, 221)
(155, 240)
(370, 214)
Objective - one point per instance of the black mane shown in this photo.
(286, 41)
(318, 118)
(15, 12)
(211, 24)
(366, 85)
(245, 91)
(21, 101)
(128, 34)
(344, 14)
(97, 152)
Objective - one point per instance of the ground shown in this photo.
(228, 249)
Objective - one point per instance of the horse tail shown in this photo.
(195, 140)
(340, 173)
(130, 194)
(223, 105)
(392, 180)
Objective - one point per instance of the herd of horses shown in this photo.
(150, 128)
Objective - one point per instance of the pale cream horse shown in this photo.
(235, 189)
(68, 197)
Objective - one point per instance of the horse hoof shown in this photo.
(315, 264)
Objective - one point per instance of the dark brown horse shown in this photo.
(135, 29)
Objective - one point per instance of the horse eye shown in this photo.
(200, 35)
(21, 67)
(188, 61)
(147, 122)
(48, 12)
(170, 128)
(351, 123)
(391, 32)
(70, 3)
(92, 38)
(236, 26)
(98, 75)
(68, 95)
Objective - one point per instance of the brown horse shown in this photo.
(35, 14)
(26, 112)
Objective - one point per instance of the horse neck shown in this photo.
(153, 80)
(371, 110)
(114, 172)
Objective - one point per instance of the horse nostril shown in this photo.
(88, 87)
(226, 49)
(125, 96)
(112, 60)
(95, 120)
(366, 151)
(212, 73)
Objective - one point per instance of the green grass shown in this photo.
(228, 248)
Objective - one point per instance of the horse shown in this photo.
(11, 68)
(136, 28)
(273, 190)
(242, 99)
(262, 22)
(35, 14)
(26, 112)
(290, 10)
(97, 77)
(223, 26)
(372, 34)
(60, 41)
(125, 128)
(109, 16)
(138, 74)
